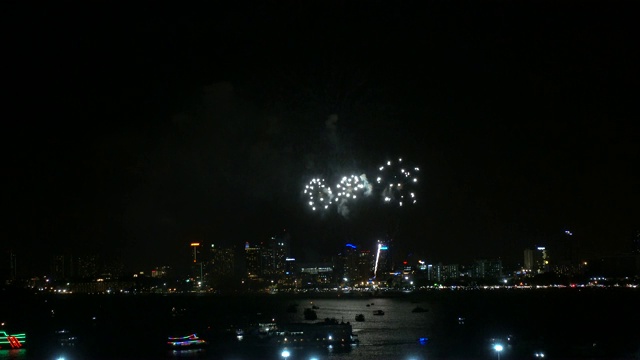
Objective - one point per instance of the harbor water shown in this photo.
(556, 323)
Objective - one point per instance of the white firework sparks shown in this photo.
(319, 195)
(397, 181)
(350, 187)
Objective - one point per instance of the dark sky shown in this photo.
(136, 129)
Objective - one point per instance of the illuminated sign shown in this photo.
(351, 246)
(15, 341)
(383, 248)
(195, 244)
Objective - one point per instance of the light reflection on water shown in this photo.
(388, 336)
(13, 354)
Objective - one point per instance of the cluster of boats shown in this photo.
(417, 309)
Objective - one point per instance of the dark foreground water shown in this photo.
(561, 323)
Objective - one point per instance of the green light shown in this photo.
(14, 341)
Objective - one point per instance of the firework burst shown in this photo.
(396, 181)
(319, 195)
(352, 186)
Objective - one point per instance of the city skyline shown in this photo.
(562, 258)
(136, 132)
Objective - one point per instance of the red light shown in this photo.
(15, 344)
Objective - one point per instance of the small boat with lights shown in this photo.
(191, 341)
(12, 341)
(327, 332)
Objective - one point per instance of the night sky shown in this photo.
(136, 129)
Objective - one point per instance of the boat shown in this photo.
(310, 314)
(329, 332)
(191, 341)
(12, 341)
(378, 312)
(419, 309)
(360, 317)
(65, 338)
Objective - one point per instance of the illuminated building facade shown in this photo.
(221, 266)
(346, 265)
(253, 261)
(161, 272)
(61, 267)
(274, 254)
(87, 266)
(315, 275)
(448, 272)
(537, 261)
(487, 269)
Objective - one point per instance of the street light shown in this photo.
(285, 353)
(498, 348)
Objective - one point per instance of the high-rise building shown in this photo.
(537, 261)
(87, 266)
(253, 261)
(449, 272)
(222, 262)
(59, 267)
(566, 253)
(346, 265)
(364, 266)
(274, 254)
(487, 269)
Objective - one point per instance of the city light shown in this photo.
(498, 348)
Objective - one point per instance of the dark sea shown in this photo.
(559, 323)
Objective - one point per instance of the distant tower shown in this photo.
(195, 246)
